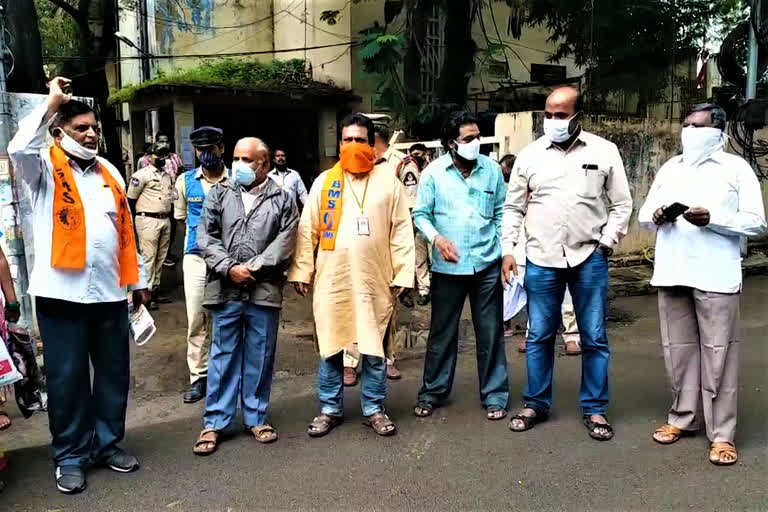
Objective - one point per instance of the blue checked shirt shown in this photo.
(465, 211)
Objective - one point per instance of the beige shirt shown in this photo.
(152, 190)
(562, 197)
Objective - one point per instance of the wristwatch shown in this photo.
(605, 250)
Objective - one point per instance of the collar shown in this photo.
(580, 140)
(199, 174)
(716, 157)
(74, 165)
(275, 170)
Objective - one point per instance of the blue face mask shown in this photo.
(210, 160)
(243, 174)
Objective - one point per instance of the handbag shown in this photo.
(8, 372)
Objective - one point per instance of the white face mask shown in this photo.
(243, 174)
(700, 143)
(557, 130)
(469, 151)
(73, 148)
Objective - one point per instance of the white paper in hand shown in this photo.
(142, 325)
(515, 298)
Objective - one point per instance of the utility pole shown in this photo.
(752, 61)
(9, 195)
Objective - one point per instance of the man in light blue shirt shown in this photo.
(459, 211)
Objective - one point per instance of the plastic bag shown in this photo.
(142, 325)
(8, 372)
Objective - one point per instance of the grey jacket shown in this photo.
(264, 240)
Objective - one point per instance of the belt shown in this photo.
(153, 215)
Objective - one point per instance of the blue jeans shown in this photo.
(588, 283)
(241, 364)
(330, 385)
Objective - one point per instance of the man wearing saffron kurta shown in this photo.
(85, 263)
(356, 221)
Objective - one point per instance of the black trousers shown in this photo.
(86, 422)
(486, 300)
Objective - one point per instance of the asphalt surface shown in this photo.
(454, 460)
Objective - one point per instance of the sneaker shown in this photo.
(406, 300)
(196, 391)
(70, 479)
(423, 300)
(121, 462)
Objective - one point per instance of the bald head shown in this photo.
(255, 153)
(562, 103)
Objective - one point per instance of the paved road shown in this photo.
(455, 460)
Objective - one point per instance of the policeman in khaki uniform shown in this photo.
(150, 194)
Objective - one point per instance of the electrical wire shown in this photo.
(201, 55)
(341, 36)
(754, 151)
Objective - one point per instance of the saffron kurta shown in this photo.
(352, 284)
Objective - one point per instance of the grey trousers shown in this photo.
(700, 339)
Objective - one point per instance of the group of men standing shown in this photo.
(355, 247)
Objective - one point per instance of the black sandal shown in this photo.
(423, 409)
(593, 426)
(323, 424)
(528, 421)
(490, 413)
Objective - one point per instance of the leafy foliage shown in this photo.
(232, 73)
(58, 34)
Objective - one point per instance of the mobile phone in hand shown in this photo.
(673, 211)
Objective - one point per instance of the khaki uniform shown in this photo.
(152, 190)
(409, 176)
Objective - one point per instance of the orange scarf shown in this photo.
(68, 245)
(356, 158)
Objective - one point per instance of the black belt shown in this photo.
(154, 215)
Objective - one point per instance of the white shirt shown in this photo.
(708, 258)
(249, 196)
(291, 182)
(100, 280)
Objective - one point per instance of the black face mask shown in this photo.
(159, 163)
(419, 160)
(506, 177)
(210, 160)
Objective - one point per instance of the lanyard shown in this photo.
(365, 191)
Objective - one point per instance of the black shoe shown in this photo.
(196, 392)
(406, 300)
(121, 462)
(70, 479)
(423, 300)
(162, 300)
(170, 261)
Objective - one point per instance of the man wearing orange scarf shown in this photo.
(355, 247)
(85, 264)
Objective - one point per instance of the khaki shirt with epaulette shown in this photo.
(152, 190)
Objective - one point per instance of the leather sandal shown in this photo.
(672, 432)
(528, 421)
(5, 419)
(593, 426)
(718, 449)
(264, 434)
(323, 424)
(206, 446)
(381, 424)
(495, 413)
(423, 409)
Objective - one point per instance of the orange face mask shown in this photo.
(357, 158)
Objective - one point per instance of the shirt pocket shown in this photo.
(590, 181)
(486, 201)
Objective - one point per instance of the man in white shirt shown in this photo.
(288, 179)
(85, 263)
(701, 204)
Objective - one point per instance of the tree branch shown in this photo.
(66, 7)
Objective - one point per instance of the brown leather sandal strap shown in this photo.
(669, 430)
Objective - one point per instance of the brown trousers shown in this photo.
(700, 339)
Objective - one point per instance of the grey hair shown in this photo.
(716, 112)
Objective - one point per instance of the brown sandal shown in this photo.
(210, 444)
(717, 450)
(672, 431)
(7, 420)
(264, 433)
(323, 424)
(381, 424)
